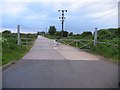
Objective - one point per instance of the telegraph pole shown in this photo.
(62, 19)
(46, 30)
(95, 37)
(18, 31)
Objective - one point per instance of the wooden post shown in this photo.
(95, 37)
(18, 31)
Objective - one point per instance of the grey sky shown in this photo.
(37, 15)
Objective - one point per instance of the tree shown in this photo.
(87, 34)
(6, 32)
(52, 30)
(42, 32)
(65, 33)
(38, 33)
(114, 32)
(71, 34)
(105, 34)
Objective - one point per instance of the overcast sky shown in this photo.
(38, 15)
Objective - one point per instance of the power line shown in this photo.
(112, 10)
(105, 14)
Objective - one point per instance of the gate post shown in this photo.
(18, 31)
(95, 37)
(76, 44)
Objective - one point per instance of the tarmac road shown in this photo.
(52, 70)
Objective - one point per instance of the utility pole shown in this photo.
(95, 37)
(62, 19)
(18, 31)
(46, 30)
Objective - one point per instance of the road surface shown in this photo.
(46, 67)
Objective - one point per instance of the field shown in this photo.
(10, 50)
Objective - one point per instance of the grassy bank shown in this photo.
(10, 50)
(106, 50)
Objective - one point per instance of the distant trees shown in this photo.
(103, 34)
(52, 30)
(71, 34)
(84, 34)
(6, 32)
(65, 33)
(59, 33)
(87, 34)
(40, 33)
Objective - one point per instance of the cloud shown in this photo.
(60, 1)
(31, 17)
(42, 13)
(100, 14)
(13, 9)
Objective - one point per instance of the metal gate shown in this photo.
(78, 43)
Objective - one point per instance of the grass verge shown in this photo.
(10, 50)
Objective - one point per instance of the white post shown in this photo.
(18, 31)
(95, 37)
(76, 43)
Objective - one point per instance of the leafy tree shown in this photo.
(71, 34)
(6, 32)
(86, 35)
(38, 33)
(65, 33)
(104, 34)
(114, 32)
(52, 30)
(59, 33)
(42, 32)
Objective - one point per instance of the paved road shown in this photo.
(45, 67)
(72, 53)
(43, 49)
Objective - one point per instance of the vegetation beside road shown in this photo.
(107, 45)
(10, 50)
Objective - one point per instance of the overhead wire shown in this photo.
(112, 10)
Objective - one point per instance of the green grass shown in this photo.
(13, 54)
(10, 50)
(108, 51)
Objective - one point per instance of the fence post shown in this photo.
(95, 37)
(18, 31)
(76, 44)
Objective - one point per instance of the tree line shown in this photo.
(53, 31)
(103, 34)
